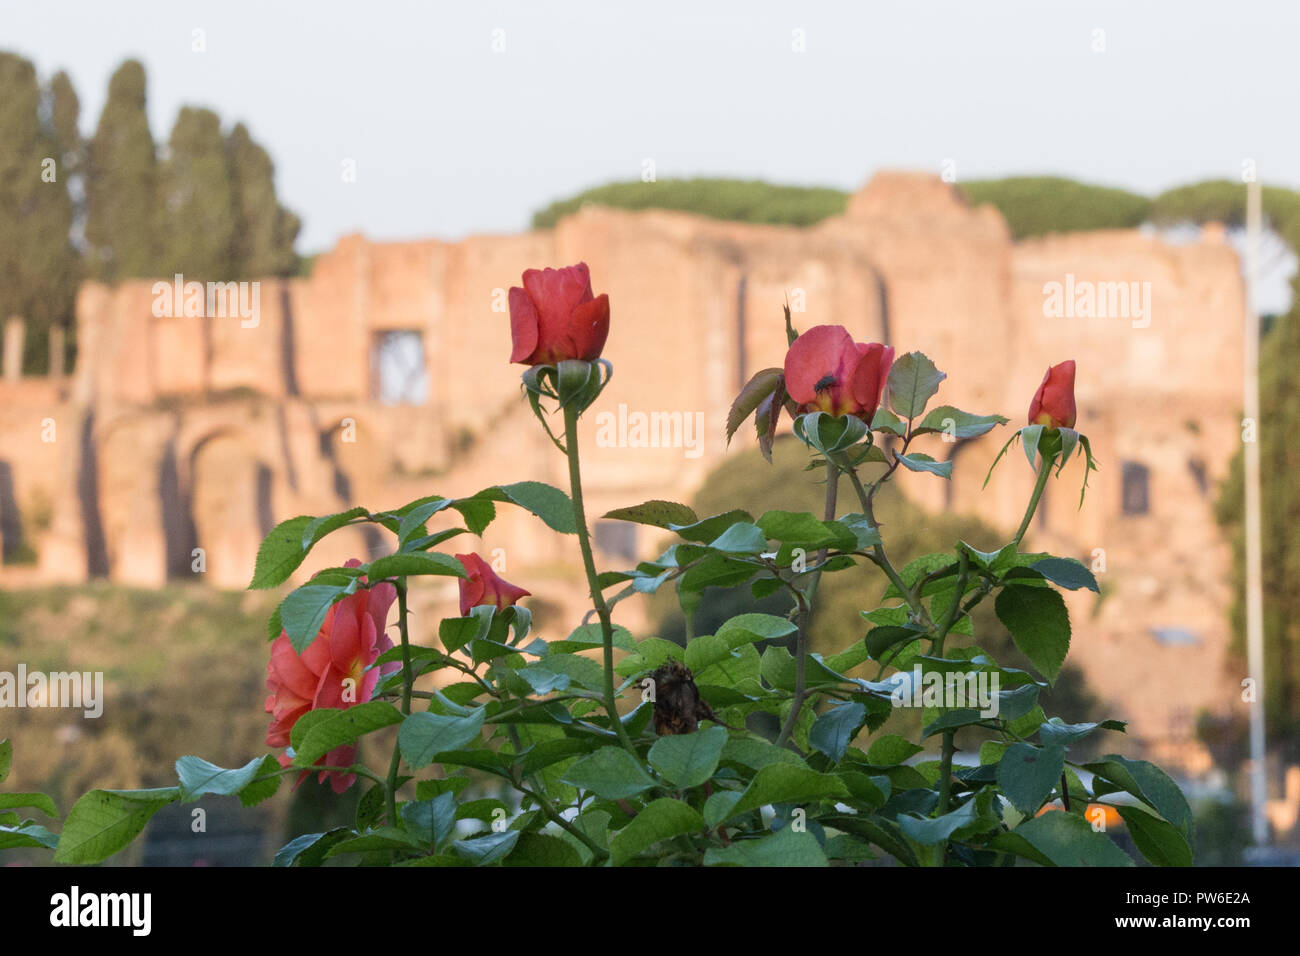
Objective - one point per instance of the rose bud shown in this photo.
(482, 585)
(825, 370)
(555, 317)
(1053, 403)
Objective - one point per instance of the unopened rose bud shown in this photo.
(555, 317)
(1053, 403)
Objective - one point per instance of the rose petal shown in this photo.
(814, 355)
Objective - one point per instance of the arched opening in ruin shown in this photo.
(230, 507)
(179, 536)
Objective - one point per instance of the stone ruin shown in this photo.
(176, 433)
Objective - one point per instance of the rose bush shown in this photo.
(620, 749)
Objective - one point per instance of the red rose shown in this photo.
(825, 370)
(1053, 403)
(555, 317)
(330, 672)
(483, 586)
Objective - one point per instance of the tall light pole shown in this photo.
(1254, 560)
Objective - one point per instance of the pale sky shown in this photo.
(451, 138)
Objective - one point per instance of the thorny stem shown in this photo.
(593, 583)
(599, 852)
(936, 649)
(878, 556)
(394, 765)
(806, 612)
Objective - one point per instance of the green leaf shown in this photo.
(659, 514)
(198, 777)
(972, 816)
(104, 821)
(546, 501)
(303, 612)
(849, 658)
(6, 757)
(788, 783)
(958, 424)
(891, 749)
(828, 433)
(687, 760)
(921, 462)
(547, 752)
(258, 790)
(310, 848)
(716, 570)
(1057, 731)
(1039, 625)
(1061, 839)
(27, 835)
(913, 380)
(881, 639)
(834, 730)
(1160, 842)
(741, 538)
(424, 735)
(12, 801)
(414, 562)
(280, 553)
(864, 534)
(456, 632)
(542, 679)
(477, 512)
(916, 569)
(342, 727)
(760, 386)
(886, 421)
(317, 528)
(430, 820)
(705, 650)
(787, 847)
(1028, 775)
(661, 819)
(542, 849)
(802, 529)
(951, 720)
(581, 670)
(1150, 784)
(748, 628)
(610, 773)
(378, 839)
(1066, 572)
(487, 849)
(273, 625)
(756, 753)
(707, 529)
(986, 559)
(416, 514)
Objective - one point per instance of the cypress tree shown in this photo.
(265, 231)
(197, 199)
(121, 185)
(38, 262)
